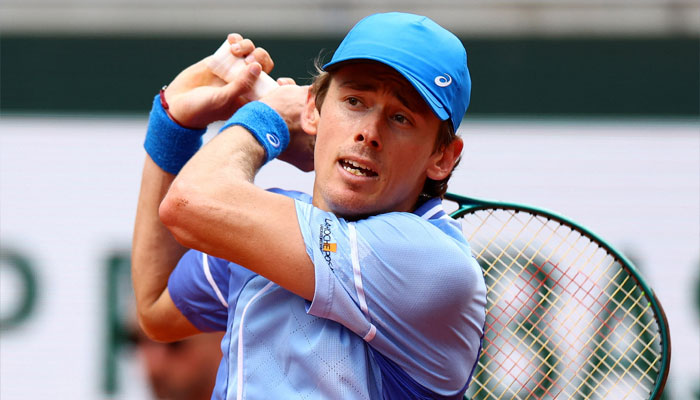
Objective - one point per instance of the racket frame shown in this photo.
(468, 205)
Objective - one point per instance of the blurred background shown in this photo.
(589, 108)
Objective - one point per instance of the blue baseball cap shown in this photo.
(430, 57)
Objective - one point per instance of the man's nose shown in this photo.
(369, 132)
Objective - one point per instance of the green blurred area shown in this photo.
(655, 77)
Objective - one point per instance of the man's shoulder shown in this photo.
(294, 194)
(427, 227)
(428, 221)
(408, 234)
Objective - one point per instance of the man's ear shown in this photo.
(310, 115)
(444, 160)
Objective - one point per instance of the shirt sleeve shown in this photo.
(198, 286)
(411, 291)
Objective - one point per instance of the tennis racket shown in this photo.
(567, 316)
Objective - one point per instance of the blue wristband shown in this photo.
(266, 125)
(169, 144)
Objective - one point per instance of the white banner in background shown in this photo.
(68, 190)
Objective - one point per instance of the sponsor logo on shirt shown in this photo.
(324, 241)
(331, 247)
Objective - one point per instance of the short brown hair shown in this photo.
(446, 134)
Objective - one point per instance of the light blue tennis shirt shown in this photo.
(398, 311)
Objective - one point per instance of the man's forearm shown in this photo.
(214, 207)
(154, 255)
(195, 98)
(219, 176)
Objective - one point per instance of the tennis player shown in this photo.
(365, 290)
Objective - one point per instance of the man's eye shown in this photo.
(400, 119)
(353, 101)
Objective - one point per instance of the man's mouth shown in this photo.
(357, 169)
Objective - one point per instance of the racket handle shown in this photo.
(226, 66)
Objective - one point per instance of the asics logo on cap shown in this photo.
(442, 81)
(274, 141)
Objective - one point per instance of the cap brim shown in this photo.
(431, 100)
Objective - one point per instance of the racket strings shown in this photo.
(555, 331)
(631, 347)
(534, 310)
(497, 258)
(633, 313)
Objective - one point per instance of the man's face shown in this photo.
(374, 144)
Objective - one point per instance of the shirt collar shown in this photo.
(431, 209)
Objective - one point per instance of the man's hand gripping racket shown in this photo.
(567, 316)
(227, 66)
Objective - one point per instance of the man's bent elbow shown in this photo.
(149, 327)
(175, 211)
(158, 327)
(173, 205)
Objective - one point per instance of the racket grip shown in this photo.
(226, 66)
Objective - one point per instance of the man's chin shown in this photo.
(353, 209)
